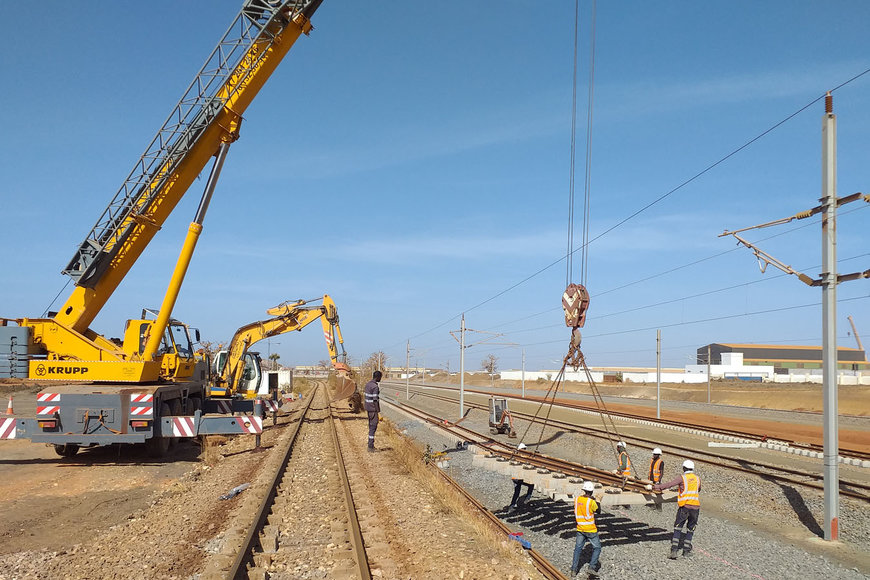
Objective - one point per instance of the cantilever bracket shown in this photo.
(765, 259)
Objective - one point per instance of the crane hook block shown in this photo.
(575, 302)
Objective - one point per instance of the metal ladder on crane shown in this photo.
(200, 105)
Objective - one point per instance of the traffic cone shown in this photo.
(9, 407)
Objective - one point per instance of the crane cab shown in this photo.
(176, 353)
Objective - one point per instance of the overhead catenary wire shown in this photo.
(688, 265)
(661, 303)
(644, 208)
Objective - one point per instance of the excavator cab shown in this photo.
(500, 419)
(249, 383)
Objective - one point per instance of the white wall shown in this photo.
(285, 380)
(650, 377)
(549, 376)
(732, 370)
(695, 374)
(842, 379)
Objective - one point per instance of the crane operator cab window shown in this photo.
(178, 337)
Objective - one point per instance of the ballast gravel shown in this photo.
(748, 527)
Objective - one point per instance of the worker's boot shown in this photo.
(687, 548)
(675, 550)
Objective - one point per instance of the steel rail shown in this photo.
(853, 453)
(246, 552)
(541, 563)
(534, 459)
(847, 488)
(845, 452)
(356, 538)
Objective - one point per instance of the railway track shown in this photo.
(325, 463)
(312, 462)
(777, 474)
(752, 436)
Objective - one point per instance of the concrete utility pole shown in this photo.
(462, 367)
(658, 374)
(829, 319)
(524, 373)
(829, 280)
(407, 369)
(462, 347)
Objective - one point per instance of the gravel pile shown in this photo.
(748, 527)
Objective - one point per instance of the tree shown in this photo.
(377, 361)
(489, 364)
(324, 364)
(274, 358)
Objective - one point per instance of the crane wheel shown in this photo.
(67, 450)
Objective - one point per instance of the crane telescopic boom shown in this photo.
(201, 126)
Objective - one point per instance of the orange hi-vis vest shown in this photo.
(626, 471)
(689, 490)
(584, 513)
(656, 470)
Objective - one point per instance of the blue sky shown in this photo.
(412, 160)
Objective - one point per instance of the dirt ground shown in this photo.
(86, 515)
(117, 513)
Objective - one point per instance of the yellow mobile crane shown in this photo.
(237, 369)
(153, 373)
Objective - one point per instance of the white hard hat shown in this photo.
(689, 465)
(588, 486)
(657, 451)
(620, 444)
(521, 446)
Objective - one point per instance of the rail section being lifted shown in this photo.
(557, 478)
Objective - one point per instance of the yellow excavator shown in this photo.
(237, 369)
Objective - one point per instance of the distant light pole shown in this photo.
(462, 368)
(524, 372)
(274, 362)
(658, 374)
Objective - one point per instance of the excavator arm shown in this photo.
(286, 317)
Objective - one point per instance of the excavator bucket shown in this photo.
(345, 389)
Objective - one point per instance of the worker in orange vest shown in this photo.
(656, 466)
(585, 508)
(689, 502)
(624, 469)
